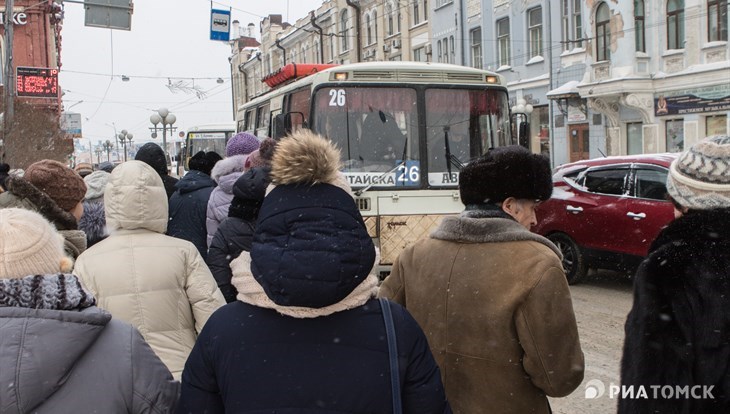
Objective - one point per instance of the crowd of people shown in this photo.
(249, 286)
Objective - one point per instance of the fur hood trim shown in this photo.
(227, 166)
(305, 158)
(250, 291)
(23, 189)
(487, 230)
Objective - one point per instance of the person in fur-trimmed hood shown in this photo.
(306, 314)
(60, 353)
(93, 220)
(56, 192)
(678, 329)
(491, 295)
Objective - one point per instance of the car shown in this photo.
(605, 212)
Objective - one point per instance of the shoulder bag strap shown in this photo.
(393, 353)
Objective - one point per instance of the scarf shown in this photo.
(55, 292)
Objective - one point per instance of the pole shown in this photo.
(9, 74)
(164, 139)
(551, 82)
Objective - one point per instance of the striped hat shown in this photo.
(699, 179)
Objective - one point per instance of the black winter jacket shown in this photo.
(234, 235)
(188, 206)
(678, 331)
(331, 364)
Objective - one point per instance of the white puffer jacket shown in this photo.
(158, 284)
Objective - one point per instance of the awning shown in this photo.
(567, 90)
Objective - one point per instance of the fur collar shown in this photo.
(234, 164)
(57, 292)
(251, 292)
(487, 230)
(44, 204)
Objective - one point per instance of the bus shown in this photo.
(404, 130)
(209, 137)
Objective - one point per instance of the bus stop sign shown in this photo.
(110, 14)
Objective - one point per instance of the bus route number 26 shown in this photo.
(408, 174)
(337, 97)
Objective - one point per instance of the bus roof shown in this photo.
(213, 127)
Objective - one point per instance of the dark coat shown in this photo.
(234, 235)
(334, 364)
(188, 207)
(678, 331)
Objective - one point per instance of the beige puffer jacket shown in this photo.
(158, 284)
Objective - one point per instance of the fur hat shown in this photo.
(204, 161)
(242, 143)
(29, 245)
(60, 183)
(153, 155)
(505, 172)
(310, 247)
(699, 179)
(84, 169)
(95, 184)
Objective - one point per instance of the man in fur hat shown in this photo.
(492, 296)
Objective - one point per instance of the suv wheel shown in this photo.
(573, 260)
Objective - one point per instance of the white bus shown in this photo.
(209, 137)
(404, 130)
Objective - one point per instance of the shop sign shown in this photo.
(692, 101)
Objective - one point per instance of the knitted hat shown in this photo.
(95, 184)
(505, 172)
(106, 166)
(700, 178)
(29, 245)
(311, 247)
(204, 161)
(60, 183)
(84, 169)
(153, 155)
(242, 143)
(262, 156)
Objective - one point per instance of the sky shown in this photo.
(167, 44)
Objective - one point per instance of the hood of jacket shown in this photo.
(226, 171)
(21, 193)
(153, 155)
(194, 180)
(135, 199)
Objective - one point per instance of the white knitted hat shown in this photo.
(699, 178)
(96, 184)
(29, 245)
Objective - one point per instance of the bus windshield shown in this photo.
(206, 141)
(377, 131)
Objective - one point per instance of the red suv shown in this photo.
(606, 212)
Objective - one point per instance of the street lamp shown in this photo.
(98, 152)
(108, 146)
(123, 137)
(521, 113)
(166, 118)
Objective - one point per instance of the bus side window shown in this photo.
(299, 107)
(248, 121)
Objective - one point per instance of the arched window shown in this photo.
(603, 32)
(675, 24)
(639, 38)
(304, 53)
(717, 20)
(397, 16)
(389, 19)
(369, 29)
(344, 32)
(375, 26)
(317, 54)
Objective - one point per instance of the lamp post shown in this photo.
(521, 113)
(98, 152)
(164, 117)
(123, 137)
(108, 147)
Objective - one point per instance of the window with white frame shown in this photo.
(375, 26)
(389, 19)
(603, 33)
(675, 24)
(446, 50)
(503, 42)
(534, 25)
(316, 55)
(344, 31)
(717, 20)
(397, 15)
(439, 51)
(452, 58)
(416, 14)
(369, 29)
(577, 24)
(634, 138)
(565, 24)
(475, 39)
(639, 32)
(304, 53)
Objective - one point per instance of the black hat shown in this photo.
(204, 161)
(505, 172)
(153, 155)
(252, 184)
(106, 166)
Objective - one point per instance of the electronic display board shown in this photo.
(36, 82)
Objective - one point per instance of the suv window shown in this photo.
(605, 181)
(650, 183)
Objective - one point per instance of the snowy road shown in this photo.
(601, 303)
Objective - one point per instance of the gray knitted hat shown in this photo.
(700, 178)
